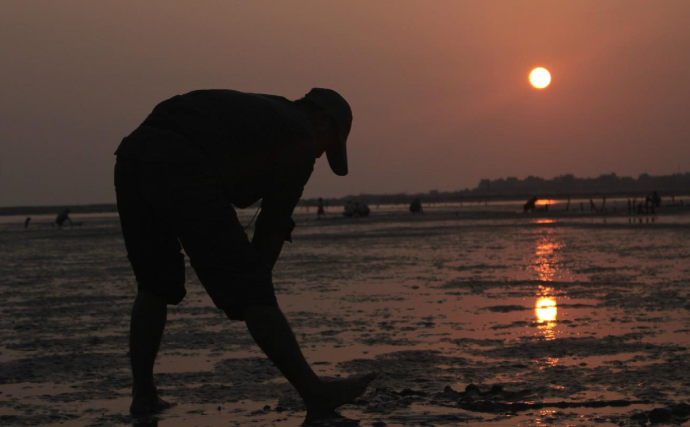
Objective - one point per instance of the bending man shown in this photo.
(179, 177)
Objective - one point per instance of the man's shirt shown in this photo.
(262, 146)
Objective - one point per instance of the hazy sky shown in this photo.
(439, 89)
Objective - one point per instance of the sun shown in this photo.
(540, 78)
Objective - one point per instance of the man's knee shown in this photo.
(172, 295)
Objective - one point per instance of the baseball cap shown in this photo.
(335, 106)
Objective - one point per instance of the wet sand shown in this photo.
(572, 319)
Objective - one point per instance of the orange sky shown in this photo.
(439, 89)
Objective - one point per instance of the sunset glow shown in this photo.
(540, 78)
(160, 152)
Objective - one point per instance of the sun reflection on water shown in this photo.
(546, 256)
(546, 310)
(545, 265)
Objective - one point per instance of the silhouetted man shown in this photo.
(179, 177)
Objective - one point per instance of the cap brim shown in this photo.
(337, 158)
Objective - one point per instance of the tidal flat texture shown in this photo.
(473, 317)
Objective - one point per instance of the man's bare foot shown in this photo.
(337, 393)
(148, 405)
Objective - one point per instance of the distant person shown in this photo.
(647, 201)
(62, 217)
(592, 206)
(179, 177)
(349, 209)
(320, 209)
(416, 207)
(27, 221)
(650, 203)
(362, 209)
(530, 205)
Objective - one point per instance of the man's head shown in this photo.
(332, 119)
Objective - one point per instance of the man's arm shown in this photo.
(274, 224)
(294, 165)
(268, 246)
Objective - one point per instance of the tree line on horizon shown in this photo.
(569, 184)
(514, 188)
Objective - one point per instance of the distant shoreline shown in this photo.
(371, 199)
(54, 209)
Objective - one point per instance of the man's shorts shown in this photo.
(167, 207)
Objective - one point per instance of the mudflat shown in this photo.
(468, 315)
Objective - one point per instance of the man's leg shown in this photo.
(158, 265)
(149, 315)
(273, 334)
(220, 252)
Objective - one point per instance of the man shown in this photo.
(179, 176)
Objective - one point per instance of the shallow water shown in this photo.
(572, 310)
